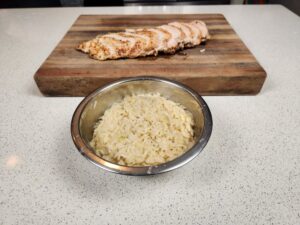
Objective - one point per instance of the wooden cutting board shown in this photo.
(223, 66)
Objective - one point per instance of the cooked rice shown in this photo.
(144, 129)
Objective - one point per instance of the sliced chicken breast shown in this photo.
(149, 41)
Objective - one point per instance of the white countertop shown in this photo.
(249, 173)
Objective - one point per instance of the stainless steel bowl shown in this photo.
(94, 105)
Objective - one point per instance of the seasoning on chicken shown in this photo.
(148, 41)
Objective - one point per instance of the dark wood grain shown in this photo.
(226, 67)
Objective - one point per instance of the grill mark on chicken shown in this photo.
(139, 45)
(142, 42)
(162, 38)
(182, 34)
(119, 46)
(152, 45)
(169, 47)
(186, 31)
(175, 42)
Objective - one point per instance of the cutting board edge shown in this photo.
(235, 85)
(150, 14)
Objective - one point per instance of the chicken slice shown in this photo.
(153, 41)
(186, 30)
(175, 41)
(196, 33)
(142, 43)
(117, 47)
(202, 27)
(162, 38)
(98, 49)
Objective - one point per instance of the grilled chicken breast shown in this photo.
(149, 41)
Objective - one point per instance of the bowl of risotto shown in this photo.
(141, 126)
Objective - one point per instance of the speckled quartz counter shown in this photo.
(249, 173)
